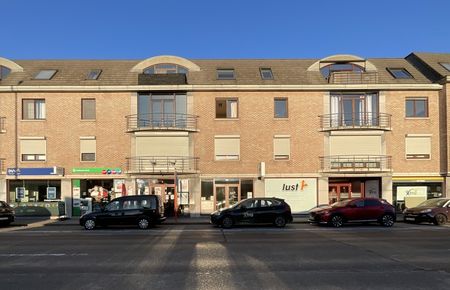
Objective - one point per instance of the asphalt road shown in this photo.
(300, 256)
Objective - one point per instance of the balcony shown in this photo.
(162, 79)
(2, 125)
(352, 77)
(161, 122)
(162, 165)
(355, 121)
(355, 163)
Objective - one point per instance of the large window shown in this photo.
(418, 146)
(88, 148)
(4, 72)
(281, 107)
(35, 190)
(165, 68)
(416, 107)
(353, 109)
(33, 109)
(340, 67)
(226, 108)
(227, 147)
(167, 110)
(33, 148)
(88, 109)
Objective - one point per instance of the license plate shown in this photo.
(410, 219)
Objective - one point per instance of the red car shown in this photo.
(355, 210)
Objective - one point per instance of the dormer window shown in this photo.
(225, 74)
(165, 68)
(446, 65)
(4, 72)
(45, 74)
(340, 67)
(399, 73)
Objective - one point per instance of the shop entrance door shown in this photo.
(167, 193)
(339, 191)
(226, 195)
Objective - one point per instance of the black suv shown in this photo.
(141, 210)
(6, 213)
(254, 211)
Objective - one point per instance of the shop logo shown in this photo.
(294, 187)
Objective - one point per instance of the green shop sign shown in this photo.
(97, 170)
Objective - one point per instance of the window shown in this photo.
(226, 108)
(114, 205)
(165, 68)
(416, 107)
(227, 147)
(281, 147)
(252, 203)
(446, 65)
(225, 74)
(371, 202)
(45, 74)
(33, 148)
(354, 109)
(281, 108)
(94, 74)
(399, 73)
(266, 73)
(4, 72)
(418, 147)
(358, 203)
(327, 70)
(33, 109)
(88, 148)
(88, 109)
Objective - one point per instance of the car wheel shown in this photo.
(337, 221)
(280, 222)
(227, 222)
(440, 219)
(387, 220)
(89, 224)
(143, 223)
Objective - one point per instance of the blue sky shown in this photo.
(136, 29)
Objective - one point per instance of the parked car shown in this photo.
(141, 210)
(254, 211)
(7, 214)
(435, 210)
(355, 210)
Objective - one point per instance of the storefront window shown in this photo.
(35, 190)
(409, 194)
(246, 189)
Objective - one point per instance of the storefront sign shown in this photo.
(97, 170)
(299, 193)
(36, 171)
(51, 192)
(407, 191)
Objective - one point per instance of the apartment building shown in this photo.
(205, 134)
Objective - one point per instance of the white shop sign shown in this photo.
(404, 191)
(299, 193)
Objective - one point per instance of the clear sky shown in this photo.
(136, 29)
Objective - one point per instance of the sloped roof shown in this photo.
(433, 60)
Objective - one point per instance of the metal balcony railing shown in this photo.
(355, 163)
(162, 164)
(355, 120)
(2, 124)
(350, 77)
(161, 122)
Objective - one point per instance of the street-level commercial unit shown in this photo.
(205, 134)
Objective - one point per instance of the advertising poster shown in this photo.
(299, 193)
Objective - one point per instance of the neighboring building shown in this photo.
(309, 131)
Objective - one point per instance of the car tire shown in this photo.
(143, 223)
(227, 222)
(337, 221)
(279, 222)
(440, 219)
(89, 224)
(387, 220)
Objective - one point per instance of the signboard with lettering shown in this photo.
(36, 171)
(20, 193)
(299, 193)
(97, 170)
(51, 192)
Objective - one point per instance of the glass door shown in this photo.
(339, 192)
(226, 195)
(220, 197)
(352, 110)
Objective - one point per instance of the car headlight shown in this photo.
(425, 210)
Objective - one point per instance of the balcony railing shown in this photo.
(161, 122)
(162, 165)
(2, 125)
(350, 77)
(355, 163)
(351, 121)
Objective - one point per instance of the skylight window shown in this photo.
(4, 72)
(94, 74)
(446, 65)
(45, 74)
(225, 74)
(400, 73)
(266, 73)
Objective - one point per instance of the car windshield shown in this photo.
(341, 203)
(433, 202)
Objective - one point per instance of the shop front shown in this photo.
(409, 191)
(353, 187)
(300, 193)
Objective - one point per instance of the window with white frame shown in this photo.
(418, 146)
(227, 147)
(88, 148)
(226, 108)
(33, 109)
(281, 147)
(33, 148)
